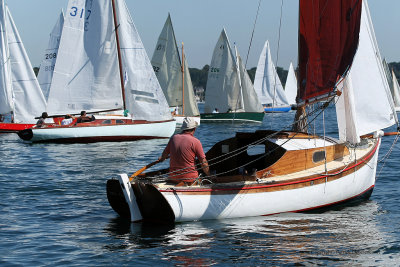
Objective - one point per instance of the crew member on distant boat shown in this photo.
(85, 118)
(67, 120)
(215, 110)
(41, 121)
(183, 149)
(1, 118)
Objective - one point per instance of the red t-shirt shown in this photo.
(183, 149)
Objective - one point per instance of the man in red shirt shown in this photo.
(183, 149)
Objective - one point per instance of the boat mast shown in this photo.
(121, 76)
(183, 82)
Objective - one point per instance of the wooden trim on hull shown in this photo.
(276, 186)
(99, 139)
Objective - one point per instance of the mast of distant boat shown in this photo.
(183, 81)
(121, 76)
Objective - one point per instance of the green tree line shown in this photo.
(199, 76)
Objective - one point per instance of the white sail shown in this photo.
(266, 81)
(249, 95)
(49, 60)
(6, 97)
(144, 97)
(167, 66)
(86, 75)
(291, 86)
(191, 108)
(17, 74)
(396, 92)
(366, 83)
(223, 89)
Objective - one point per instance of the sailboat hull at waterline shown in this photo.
(93, 132)
(343, 179)
(233, 116)
(278, 109)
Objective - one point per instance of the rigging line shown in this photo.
(252, 34)
(323, 107)
(277, 59)
(254, 143)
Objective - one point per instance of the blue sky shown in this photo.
(198, 24)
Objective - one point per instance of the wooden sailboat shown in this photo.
(267, 84)
(109, 72)
(20, 94)
(229, 89)
(294, 171)
(173, 75)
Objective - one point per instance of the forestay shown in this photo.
(49, 60)
(365, 105)
(21, 92)
(267, 84)
(223, 89)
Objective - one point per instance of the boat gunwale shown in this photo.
(333, 173)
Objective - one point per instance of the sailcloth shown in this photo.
(396, 92)
(20, 91)
(249, 95)
(49, 60)
(266, 81)
(167, 66)
(366, 83)
(86, 74)
(291, 86)
(223, 88)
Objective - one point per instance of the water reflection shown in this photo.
(335, 236)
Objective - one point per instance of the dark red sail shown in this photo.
(328, 40)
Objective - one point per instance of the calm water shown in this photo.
(54, 211)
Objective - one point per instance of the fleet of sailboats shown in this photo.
(174, 77)
(102, 66)
(20, 93)
(230, 95)
(96, 62)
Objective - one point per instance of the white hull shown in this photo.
(105, 133)
(303, 191)
(223, 206)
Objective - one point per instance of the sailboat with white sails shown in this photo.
(291, 86)
(173, 75)
(230, 95)
(46, 69)
(102, 67)
(267, 84)
(20, 94)
(298, 171)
